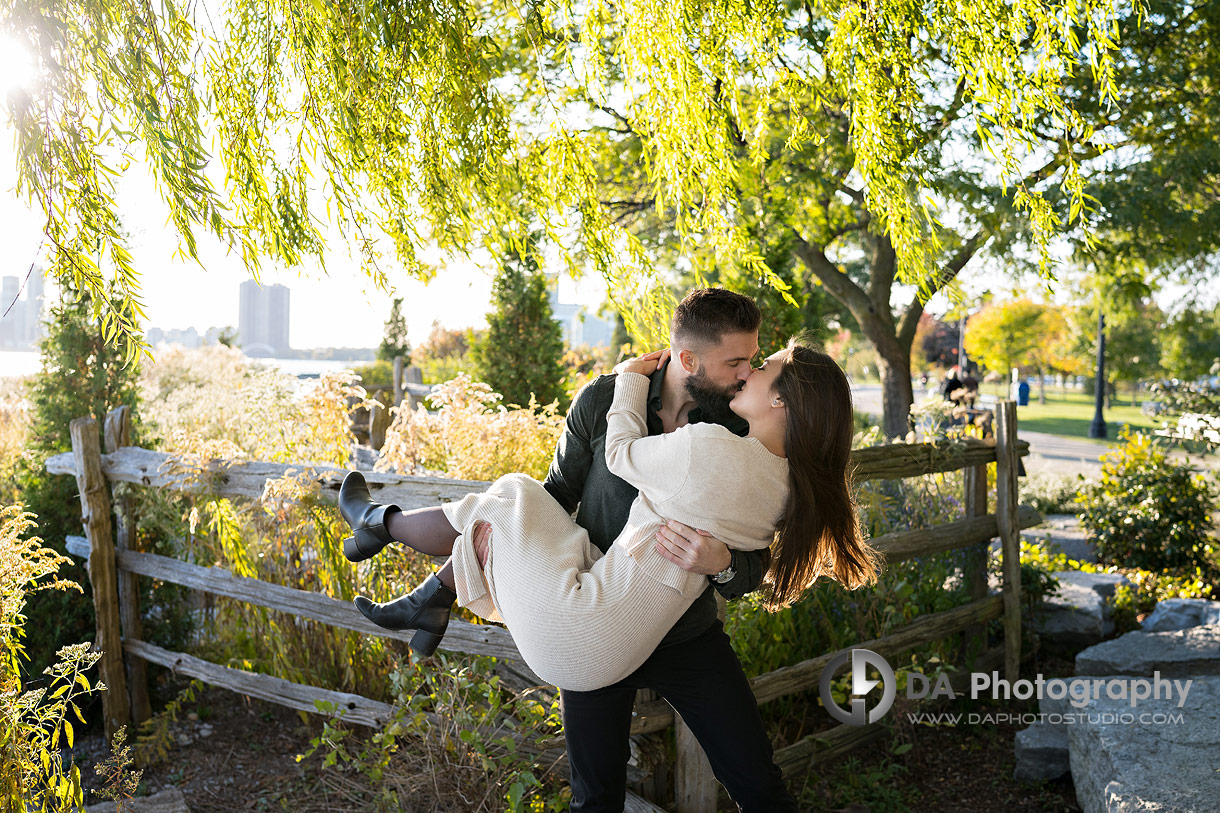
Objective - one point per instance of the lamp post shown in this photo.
(961, 342)
(1097, 429)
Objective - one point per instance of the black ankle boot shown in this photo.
(426, 608)
(367, 518)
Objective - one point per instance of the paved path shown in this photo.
(1049, 454)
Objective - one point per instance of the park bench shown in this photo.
(1151, 408)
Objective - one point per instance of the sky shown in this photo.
(339, 308)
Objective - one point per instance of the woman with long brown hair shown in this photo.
(583, 620)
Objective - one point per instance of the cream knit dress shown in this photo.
(583, 620)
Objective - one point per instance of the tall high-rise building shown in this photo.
(12, 324)
(21, 327)
(262, 320)
(580, 326)
(34, 292)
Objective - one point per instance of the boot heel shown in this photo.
(352, 551)
(424, 642)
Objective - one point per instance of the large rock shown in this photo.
(1182, 653)
(1078, 614)
(1041, 753)
(1063, 533)
(1181, 613)
(1153, 762)
(169, 800)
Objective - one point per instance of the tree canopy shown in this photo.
(1004, 335)
(1158, 192)
(410, 124)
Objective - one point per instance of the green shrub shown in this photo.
(1051, 494)
(453, 721)
(446, 353)
(81, 375)
(1149, 512)
(378, 374)
(1130, 602)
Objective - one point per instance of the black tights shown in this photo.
(427, 530)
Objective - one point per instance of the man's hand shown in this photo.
(692, 550)
(646, 364)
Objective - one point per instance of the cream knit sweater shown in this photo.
(582, 620)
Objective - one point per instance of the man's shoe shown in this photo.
(426, 608)
(367, 518)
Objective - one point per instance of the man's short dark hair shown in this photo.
(706, 315)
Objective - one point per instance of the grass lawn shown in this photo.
(1070, 413)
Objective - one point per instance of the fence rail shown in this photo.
(112, 570)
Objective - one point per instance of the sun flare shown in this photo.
(17, 67)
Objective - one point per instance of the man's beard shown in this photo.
(713, 401)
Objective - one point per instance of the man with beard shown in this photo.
(713, 340)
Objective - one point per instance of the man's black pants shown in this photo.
(703, 680)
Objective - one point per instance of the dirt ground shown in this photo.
(229, 753)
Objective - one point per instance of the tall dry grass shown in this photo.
(36, 721)
(472, 435)
(14, 428)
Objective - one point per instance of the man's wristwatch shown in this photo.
(727, 574)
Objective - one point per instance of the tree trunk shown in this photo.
(1041, 386)
(896, 393)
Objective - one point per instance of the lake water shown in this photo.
(18, 362)
(25, 362)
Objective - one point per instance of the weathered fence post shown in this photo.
(95, 513)
(379, 422)
(117, 433)
(974, 486)
(652, 753)
(414, 377)
(398, 382)
(1007, 463)
(694, 782)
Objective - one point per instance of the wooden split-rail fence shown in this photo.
(114, 564)
(369, 424)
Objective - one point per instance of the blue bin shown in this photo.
(1023, 393)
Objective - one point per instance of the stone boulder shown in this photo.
(1163, 761)
(1181, 653)
(1041, 753)
(1181, 613)
(1063, 533)
(169, 800)
(1079, 613)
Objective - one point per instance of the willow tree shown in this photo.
(406, 124)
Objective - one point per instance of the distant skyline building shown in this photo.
(262, 320)
(188, 337)
(22, 327)
(581, 327)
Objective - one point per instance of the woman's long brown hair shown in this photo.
(819, 532)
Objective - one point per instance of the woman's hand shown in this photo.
(646, 364)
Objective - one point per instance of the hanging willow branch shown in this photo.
(408, 124)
